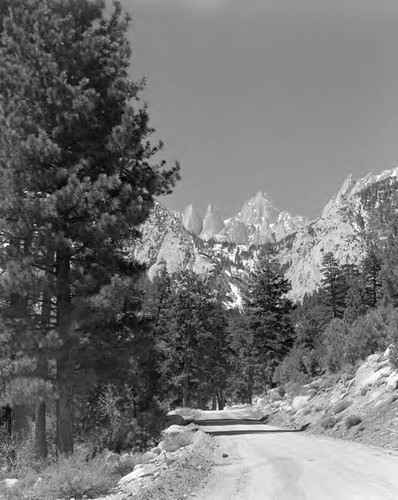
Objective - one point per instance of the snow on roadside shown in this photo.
(173, 473)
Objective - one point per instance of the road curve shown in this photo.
(267, 463)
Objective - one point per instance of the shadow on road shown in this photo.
(236, 432)
(239, 432)
(229, 421)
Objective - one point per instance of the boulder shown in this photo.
(368, 374)
(10, 483)
(140, 471)
(300, 402)
(385, 371)
(173, 418)
(315, 384)
(176, 436)
(148, 456)
(262, 401)
(388, 351)
(275, 394)
(374, 358)
(392, 381)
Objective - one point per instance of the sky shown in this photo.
(284, 96)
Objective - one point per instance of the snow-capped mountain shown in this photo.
(224, 248)
(258, 222)
(339, 229)
(166, 242)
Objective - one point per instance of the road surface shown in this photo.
(267, 463)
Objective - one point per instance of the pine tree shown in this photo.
(311, 317)
(76, 179)
(389, 267)
(242, 361)
(334, 285)
(355, 300)
(269, 315)
(371, 267)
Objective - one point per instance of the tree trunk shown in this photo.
(40, 430)
(18, 305)
(249, 387)
(220, 399)
(7, 419)
(214, 401)
(20, 422)
(64, 360)
(64, 420)
(200, 398)
(42, 368)
(185, 384)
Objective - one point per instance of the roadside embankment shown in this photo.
(361, 405)
(172, 470)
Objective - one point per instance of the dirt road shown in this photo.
(266, 463)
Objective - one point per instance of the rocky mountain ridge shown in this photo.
(340, 229)
(227, 249)
(258, 222)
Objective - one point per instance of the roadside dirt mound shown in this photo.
(186, 469)
(172, 470)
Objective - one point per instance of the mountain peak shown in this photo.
(262, 195)
(258, 210)
(191, 220)
(211, 209)
(347, 186)
(212, 223)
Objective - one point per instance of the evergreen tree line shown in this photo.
(207, 353)
(352, 315)
(78, 174)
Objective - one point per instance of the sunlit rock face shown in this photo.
(258, 210)
(339, 229)
(165, 241)
(225, 248)
(212, 223)
(259, 222)
(191, 220)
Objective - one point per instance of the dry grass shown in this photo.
(77, 476)
(352, 420)
(328, 422)
(341, 406)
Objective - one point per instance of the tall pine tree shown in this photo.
(269, 315)
(76, 177)
(334, 285)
